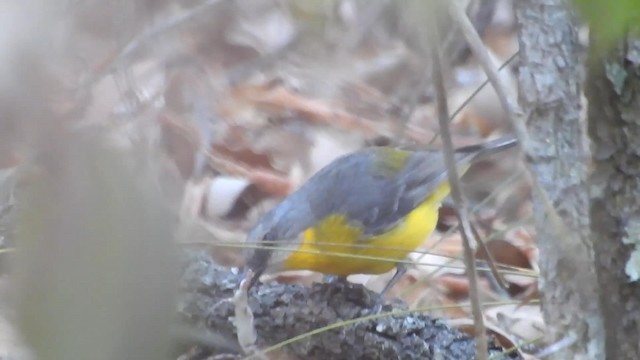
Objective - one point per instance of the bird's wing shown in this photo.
(374, 191)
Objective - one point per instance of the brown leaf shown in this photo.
(181, 142)
(504, 253)
(244, 155)
(280, 99)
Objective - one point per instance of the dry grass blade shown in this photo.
(283, 246)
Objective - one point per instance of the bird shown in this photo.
(363, 213)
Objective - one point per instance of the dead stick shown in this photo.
(456, 193)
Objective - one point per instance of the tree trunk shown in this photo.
(550, 86)
(613, 87)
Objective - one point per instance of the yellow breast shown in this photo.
(337, 248)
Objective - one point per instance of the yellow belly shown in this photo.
(335, 236)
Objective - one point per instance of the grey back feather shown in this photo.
(351, 186)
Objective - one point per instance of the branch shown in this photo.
(456, 194)
(284, 312)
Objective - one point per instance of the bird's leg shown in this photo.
(251, 277)
(401, 269)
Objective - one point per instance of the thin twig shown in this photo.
(508, 103)
(490, 261)
(474, 94)
(456, 194)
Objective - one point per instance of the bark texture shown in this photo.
(284, 311)
(550, 84)
(613, 88)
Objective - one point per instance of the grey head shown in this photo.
(279, 228)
